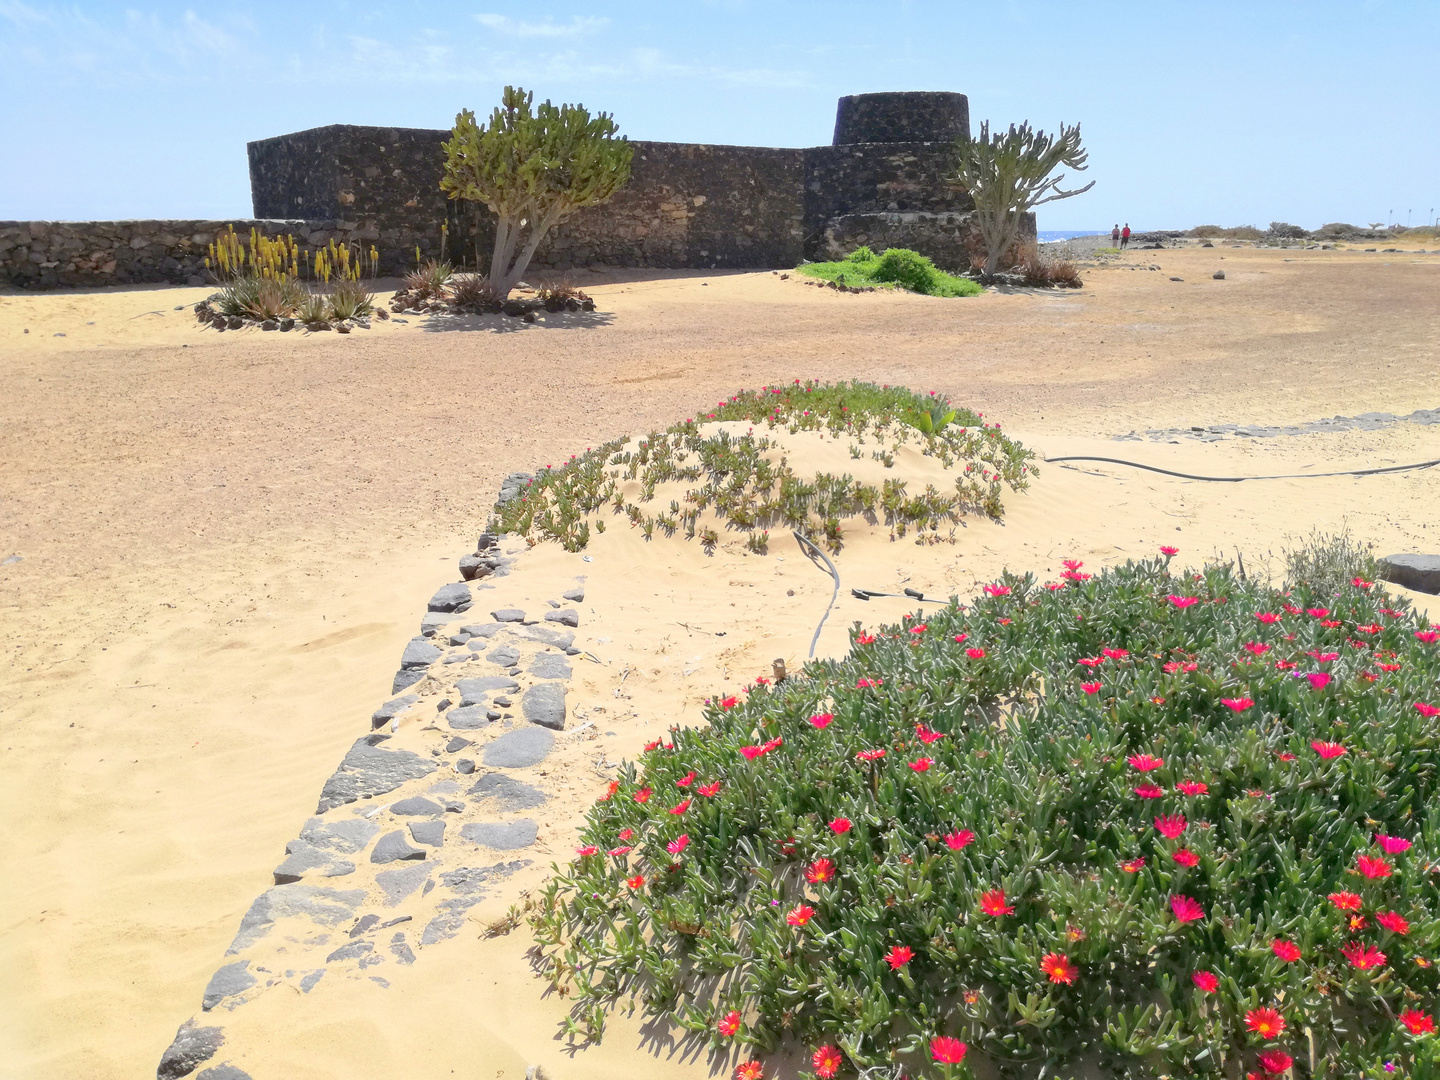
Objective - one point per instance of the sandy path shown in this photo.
(225, 545)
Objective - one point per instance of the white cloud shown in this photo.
(576, 27)
(21, 14)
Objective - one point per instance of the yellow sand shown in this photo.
(217, 647)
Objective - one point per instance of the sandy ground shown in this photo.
(226, 540)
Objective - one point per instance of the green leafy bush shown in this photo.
(905, 267)
(737, 475)
(897, 267)
(1136, 825)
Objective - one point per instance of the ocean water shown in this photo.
(1046, 235)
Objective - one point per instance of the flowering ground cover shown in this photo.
(743, 482)
(1141, 823)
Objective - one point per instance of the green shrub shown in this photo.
(908, 268)
(1087, 826)
(897, 267)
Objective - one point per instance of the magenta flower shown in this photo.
(1186, 909)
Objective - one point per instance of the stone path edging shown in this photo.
(405, 841)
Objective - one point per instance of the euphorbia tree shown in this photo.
(1008, 174)
(533, 168)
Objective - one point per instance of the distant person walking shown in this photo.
(1115, 237)
(1125, 235)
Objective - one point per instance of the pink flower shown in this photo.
(997, 590)
(1285, 950)
(1148, 790)
(820, 871)
(1363, 957)
(1171, 826)
(1115, 654)
(1186, 909)
(752, 752)
(1392, 922)
(1392, 845)
(1429, 637)
(899, 956)
(840, 825)
(1346, 901)
(918, 628)
(1168, 551)
(1267, 616)
(1205, 981)
(1184, 601)
(1237, 704)
(1133, 866)
(870, 755)
(1417, 1023)
(1427, 711)
(961, 637)
(926, 736)
(799, 915)
(1090, 687)
(1192, 787)
(728, 1024)
(643, 795)
(1186, 857)
(588, 849)
(616, 852)
(975, 654)
(993, 903)
(1317, 612)
(862, 684)
(1318, 679)
(950, 1051)
(681, 807)
(729, 702)
(1373, 867)
(1071, 564)
(922, 764)
(1091, 661)
(679, 844)
(1328, 750)
(820, 721)
(1256, 648)
(1275, 1062)
(710, 790)
(864, 639)
(686, 780)
(957, 840)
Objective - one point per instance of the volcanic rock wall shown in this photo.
(883, 183)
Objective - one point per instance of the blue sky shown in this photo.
(1194, 113)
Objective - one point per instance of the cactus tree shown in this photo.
(1008, 174)
(533, 168)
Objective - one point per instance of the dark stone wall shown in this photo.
(878, 177)
(908, 117)
(686, 205)
(691, 205)
(51, 254)
(383, 184)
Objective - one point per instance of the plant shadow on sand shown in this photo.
(508, 324)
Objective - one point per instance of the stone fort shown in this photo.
(882, 182)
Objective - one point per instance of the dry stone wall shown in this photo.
(687, 205)
(52, 254)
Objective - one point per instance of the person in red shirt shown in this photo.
(1125, 235)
